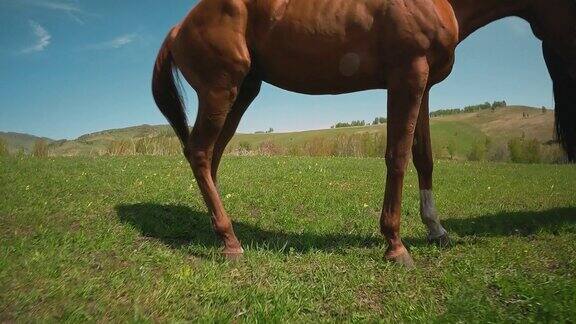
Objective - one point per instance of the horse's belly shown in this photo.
(327, 72)
(321, 47)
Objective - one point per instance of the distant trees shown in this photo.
(543, 109)
(3, 148)
(444, 112)
(354, 123)
(379, 120)
(40, 149)
(269, 131)
(499, 104)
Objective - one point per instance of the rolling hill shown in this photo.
(453, 135)
(19, 141)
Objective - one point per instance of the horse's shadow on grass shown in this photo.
(178, 226)
(524, 223)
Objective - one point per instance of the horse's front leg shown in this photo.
(406, 86)
(423, 161)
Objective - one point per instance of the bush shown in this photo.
(3, 148)
(451, 150)
(532, 151)
(158, 146)
(524, 151)
(478, 152)
(40, 149)
(497, 153)
(269, 148)
(553, 153)
(121, 148)
(354, 145)
(245, 146)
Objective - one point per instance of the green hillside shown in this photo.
(17, 141)
(505, 123)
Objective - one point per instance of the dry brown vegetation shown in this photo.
(40, 149)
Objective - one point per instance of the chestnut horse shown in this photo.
(225, 49)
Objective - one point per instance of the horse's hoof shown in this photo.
(403, 259)
(233, 254)
(441, 241)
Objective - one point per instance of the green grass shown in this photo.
(128, 239)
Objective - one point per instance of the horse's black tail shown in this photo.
(167, 94)
(565, 100)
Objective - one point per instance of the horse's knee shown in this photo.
(199, 159)
(396, 165)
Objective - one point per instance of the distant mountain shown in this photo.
(18, 141)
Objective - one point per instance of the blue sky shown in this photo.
(70, 67)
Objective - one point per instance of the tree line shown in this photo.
(442, 112)
(493, 106)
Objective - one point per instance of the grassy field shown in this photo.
(128, 239)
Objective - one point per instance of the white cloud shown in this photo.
(56, 5)
(68, 7)
(43, 38)
(115, 43)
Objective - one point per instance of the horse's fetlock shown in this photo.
(222, 226)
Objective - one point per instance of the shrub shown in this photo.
(40, 149)
(532, 151)
(524, 151)
(158, 146)
(497, 152)
(515, 148)
(121, 148)
(20, 153)
(451, 150)
(478, 152)
(269, 148)
(3, 148)
(245, 146)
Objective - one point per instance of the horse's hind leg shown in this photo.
(214, 105)
(217, 93)
(210, 50)
(422, 156)
(248, 92)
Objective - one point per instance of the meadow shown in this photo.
(127, 239)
